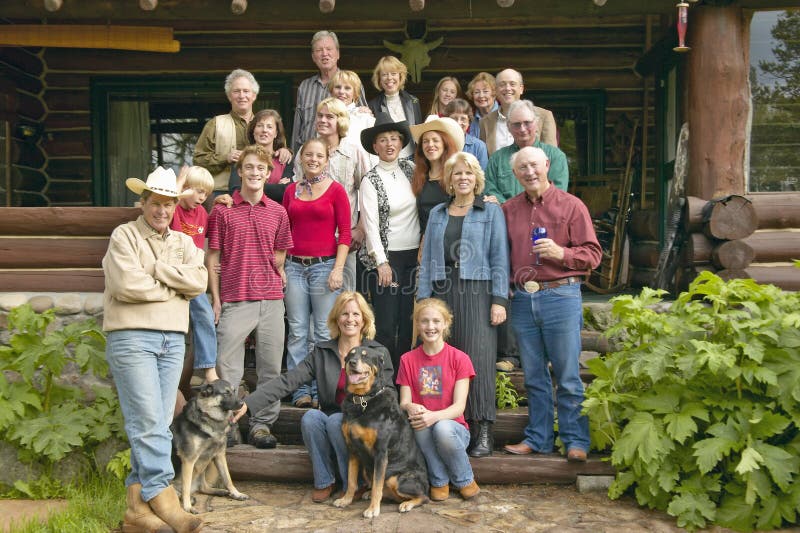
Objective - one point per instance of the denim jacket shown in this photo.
(483, 251)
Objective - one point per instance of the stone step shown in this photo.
(291, 463)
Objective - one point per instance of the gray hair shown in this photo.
(536, 151)
(321, 35)
(240, 73)
(524, 104)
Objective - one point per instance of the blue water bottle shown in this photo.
(538, 233)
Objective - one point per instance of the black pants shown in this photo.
(394, 305)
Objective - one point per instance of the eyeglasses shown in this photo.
(484, 92)
(527, 124)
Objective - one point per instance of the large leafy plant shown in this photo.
(701, 406)
(44, 415)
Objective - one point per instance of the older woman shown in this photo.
(351, 323)
(389, 211)
(347, 164)
(151, 273)
(482, 91)
(437, 139)
(266, 130)
(445, 92)
(319, 215)
(465, 263)
(389, 77)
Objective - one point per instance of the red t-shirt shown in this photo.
(315, 223)
(247, 237)
(432, 378)
(192, 222)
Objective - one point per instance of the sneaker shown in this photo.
(234, 435)
(504, 366)
(261, 437)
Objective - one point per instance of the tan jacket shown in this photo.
(150, 279)
(547, 135)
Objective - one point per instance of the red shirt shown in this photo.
(247, 237)
(192, 222)
(316, 222)
(432, 378)
(568, 224)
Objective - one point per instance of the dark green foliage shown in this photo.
(701, 405)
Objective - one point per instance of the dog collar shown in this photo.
(363, 401)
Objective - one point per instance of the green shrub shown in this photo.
(701, 405)
(505, 393)
(46, 417)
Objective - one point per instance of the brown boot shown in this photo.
(470, 490)
(440, 494)
(139, 517)
(168, 508)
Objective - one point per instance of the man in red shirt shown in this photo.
(546, 310)
(248, 242)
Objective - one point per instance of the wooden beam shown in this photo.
(52, 280)
(52, 252)
(73, 221)
(141, 38)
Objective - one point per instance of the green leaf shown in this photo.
(734, 512)
(692, 510)
(757, 485)
(643, 438)
(710, 451)
(620, 484)
(680, 426)
(750, 461)
(781, 464)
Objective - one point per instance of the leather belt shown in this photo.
(535, 286)
(308, 261)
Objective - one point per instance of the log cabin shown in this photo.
(93, 92)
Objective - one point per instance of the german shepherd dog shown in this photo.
(199, 435)
(379, 438)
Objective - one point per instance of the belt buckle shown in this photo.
(306, 261)
(531, 287)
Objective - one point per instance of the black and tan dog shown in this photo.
(379, 438)
(199, 435)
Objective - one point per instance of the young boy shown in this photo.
(191, 218)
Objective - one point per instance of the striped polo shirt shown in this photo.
(247, 237)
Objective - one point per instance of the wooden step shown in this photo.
(507, 429)
(291, 463)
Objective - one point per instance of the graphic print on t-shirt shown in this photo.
(191, 229)
(430, 381)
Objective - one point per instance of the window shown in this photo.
(138, 124)
(775, 92)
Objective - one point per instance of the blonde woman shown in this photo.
(447, 90)
(389, 77)
(345, 86)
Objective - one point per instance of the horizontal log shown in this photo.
(595, 341)
(777, 210)
(23, 80)
(66, 99)
(643, 225)
(70, 192)
(734, 255)
(21, 59)
(698, 249)
(47, 280)
(774, 246)
(734, 218)
(785, 276)
(291, 463)
(67, 121)
(729, 274)
(693, 214)
(645, 254)
(68, 143)
(73, 221)
(52, 252)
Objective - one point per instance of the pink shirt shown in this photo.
(568, 224)
(247, 237)
(192, 222)
(315, 223)
(432, 378)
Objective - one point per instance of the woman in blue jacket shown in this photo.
(465, 263)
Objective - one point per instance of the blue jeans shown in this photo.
(548, 329)
(204, 332)
(307, 298)
(146, 366)
(322, 435)
(444, 445)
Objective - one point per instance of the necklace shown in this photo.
(462, 205)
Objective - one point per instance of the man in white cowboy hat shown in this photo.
(151, 273)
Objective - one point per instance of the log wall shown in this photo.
(552, 54)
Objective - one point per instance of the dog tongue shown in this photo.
(355, 378)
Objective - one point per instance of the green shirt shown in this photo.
(205, 151)
(500, 180)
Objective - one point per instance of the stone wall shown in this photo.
(69, 306)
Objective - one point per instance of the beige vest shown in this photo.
(224, 141)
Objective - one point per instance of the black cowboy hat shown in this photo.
(383, 123)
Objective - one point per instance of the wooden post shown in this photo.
(238, 7)
(718, 100)
(416, 5)
(53, 5)
(327, 6)
(148, 5)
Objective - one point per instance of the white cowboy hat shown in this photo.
(161, 181)
(441, 124)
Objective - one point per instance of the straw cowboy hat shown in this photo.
(443, 125)
(161, 181)
(383, 123)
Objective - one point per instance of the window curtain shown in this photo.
(129, 151)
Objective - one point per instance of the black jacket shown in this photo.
(410, 108)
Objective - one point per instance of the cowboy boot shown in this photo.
(139, 517)
(168, 508)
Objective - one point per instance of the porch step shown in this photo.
(291, 463)
(507, 429)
